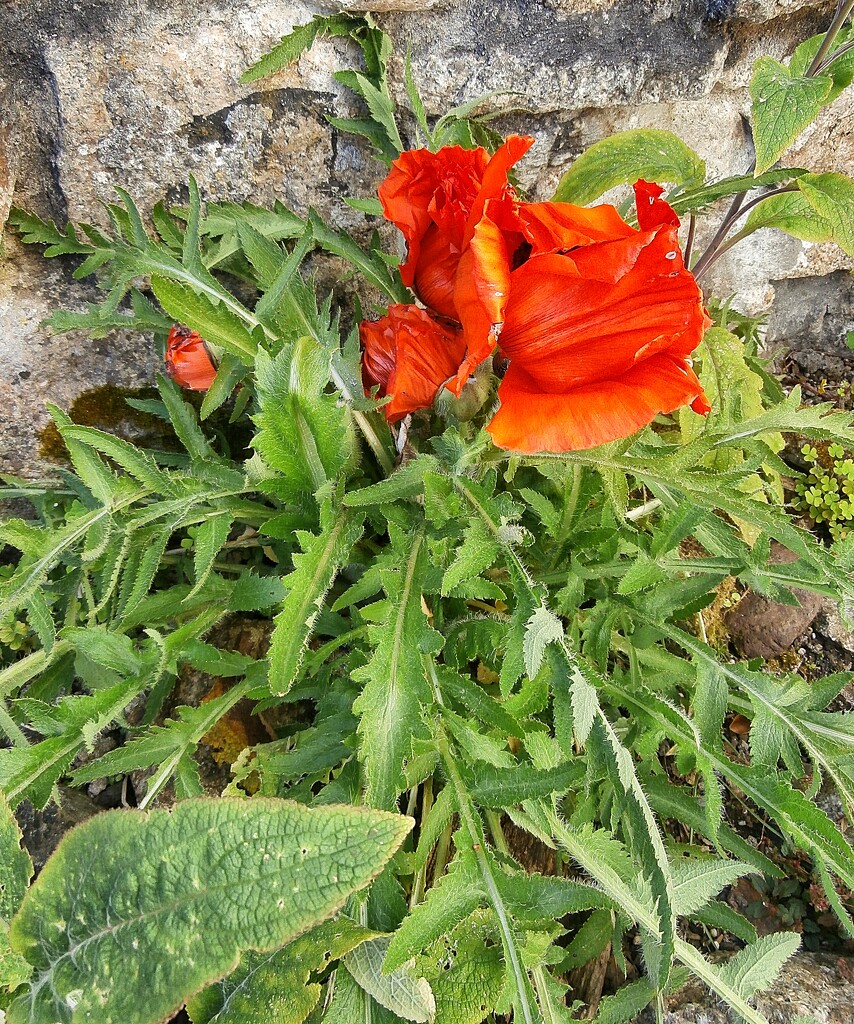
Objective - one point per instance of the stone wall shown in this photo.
(144, 93)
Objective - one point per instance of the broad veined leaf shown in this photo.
(832, 198)
(465, 971)
(134, 913)
(274, 988)
(649, 153)
(783, 106)
(16, 869)
(397, 990)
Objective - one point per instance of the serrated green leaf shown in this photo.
(541, 629)
(291, 46)
(624, 157)
(314, 571)
(303, 433)
(756, 966)
(230, 875)
(783, 106)
(626, 1003)
(105, 647)
(32, 771)
(396, 687)
(451, 899)
(216, 323)
(208, 541)
(832, 198)
(696, 882)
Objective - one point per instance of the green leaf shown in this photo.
(32, 771)
(696, 882)
(16, 868)
(273, 988)
(105, 647)
(543, 628)
(409, 997)
(396, 686)
(841, 70)
(756, 967)
(169, 900)
(790, 212)
(35, 231)
(216, 323)
(296, 43)
(625, 157)
(783, 106)
(626, 1003)
(209, 539)
(465, 973)
(717, 982)
(832, 197)
(314, 571)
(303, 433)
(451, 899)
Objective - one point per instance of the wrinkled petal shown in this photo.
(594, 314)
(653, 212)
(424, 188)
(530, 420)
(410, 356)
(188, 361)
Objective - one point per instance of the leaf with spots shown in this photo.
(135, 912)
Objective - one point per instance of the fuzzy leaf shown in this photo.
(623, 158)
(696, 882)
(303, 432)
(396, 687)
(126, 892)
(543, 628)
(410, 998)
(832, 198)
(756, 966)
(314, 570)
(16, 868)
(782, 107)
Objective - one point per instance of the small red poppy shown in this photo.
(188, 361)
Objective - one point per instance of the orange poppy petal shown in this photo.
(410, 355)
(597, 312)
(551, 226)
(436, 272)
(652, 210)
(480, 295)
(530, 420)
(494, 184)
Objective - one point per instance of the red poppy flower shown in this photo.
(596, 318)
(436, 199)
(410, 356)
(188, 361)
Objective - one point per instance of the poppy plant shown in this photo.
(597, 318)
(188, 361)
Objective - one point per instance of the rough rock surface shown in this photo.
(816, 985)
(142, 93)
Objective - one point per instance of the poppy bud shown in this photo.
(188, 361)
